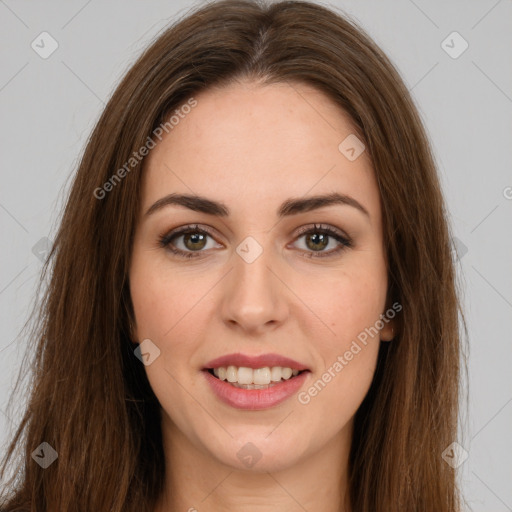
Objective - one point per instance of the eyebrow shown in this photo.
(292, 206)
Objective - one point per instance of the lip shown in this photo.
(253, 362)
(255, 399)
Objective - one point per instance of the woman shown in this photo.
(252, 302)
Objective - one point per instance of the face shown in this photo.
(257, 276)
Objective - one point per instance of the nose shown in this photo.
(254, 298)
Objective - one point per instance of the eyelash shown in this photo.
(165, 240)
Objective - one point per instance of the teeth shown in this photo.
(286, 373)
(231, 374)
(221, 373)
(276, 373)
(245, 375)
(258, 376)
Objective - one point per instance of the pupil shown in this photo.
(322, 236)
(195, 238)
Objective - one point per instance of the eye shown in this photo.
(195, 239)
(317, 238)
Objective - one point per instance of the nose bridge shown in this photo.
(254, 295)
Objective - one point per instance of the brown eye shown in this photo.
(194, 241)
(187, 242)
(317, 241)
(317, 238)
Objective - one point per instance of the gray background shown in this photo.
(49, 106)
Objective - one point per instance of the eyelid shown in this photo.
(344, 241)
(190, 228)
(322, 227)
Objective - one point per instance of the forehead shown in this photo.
(245, 143)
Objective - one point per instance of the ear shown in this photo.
(389, 331)
(390, 318)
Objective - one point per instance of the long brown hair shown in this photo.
(90, 399)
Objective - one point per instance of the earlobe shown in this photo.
(388, 333)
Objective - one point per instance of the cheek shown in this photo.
(171, 310)
(348, 351)
(354, 307)
(347, 304)
(155, 307)
(353, 340)
(162, 300)
(342, 380)
(166, 308)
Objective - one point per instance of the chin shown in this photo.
(264, 451)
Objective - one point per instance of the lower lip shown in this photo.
(255, 399)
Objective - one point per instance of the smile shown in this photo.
(254, 382)
(257, 378)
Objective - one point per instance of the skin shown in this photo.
(252, 147)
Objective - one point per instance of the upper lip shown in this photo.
(260, 361)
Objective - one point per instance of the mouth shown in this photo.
(254, 389)
(255, 382)
(254, 378)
